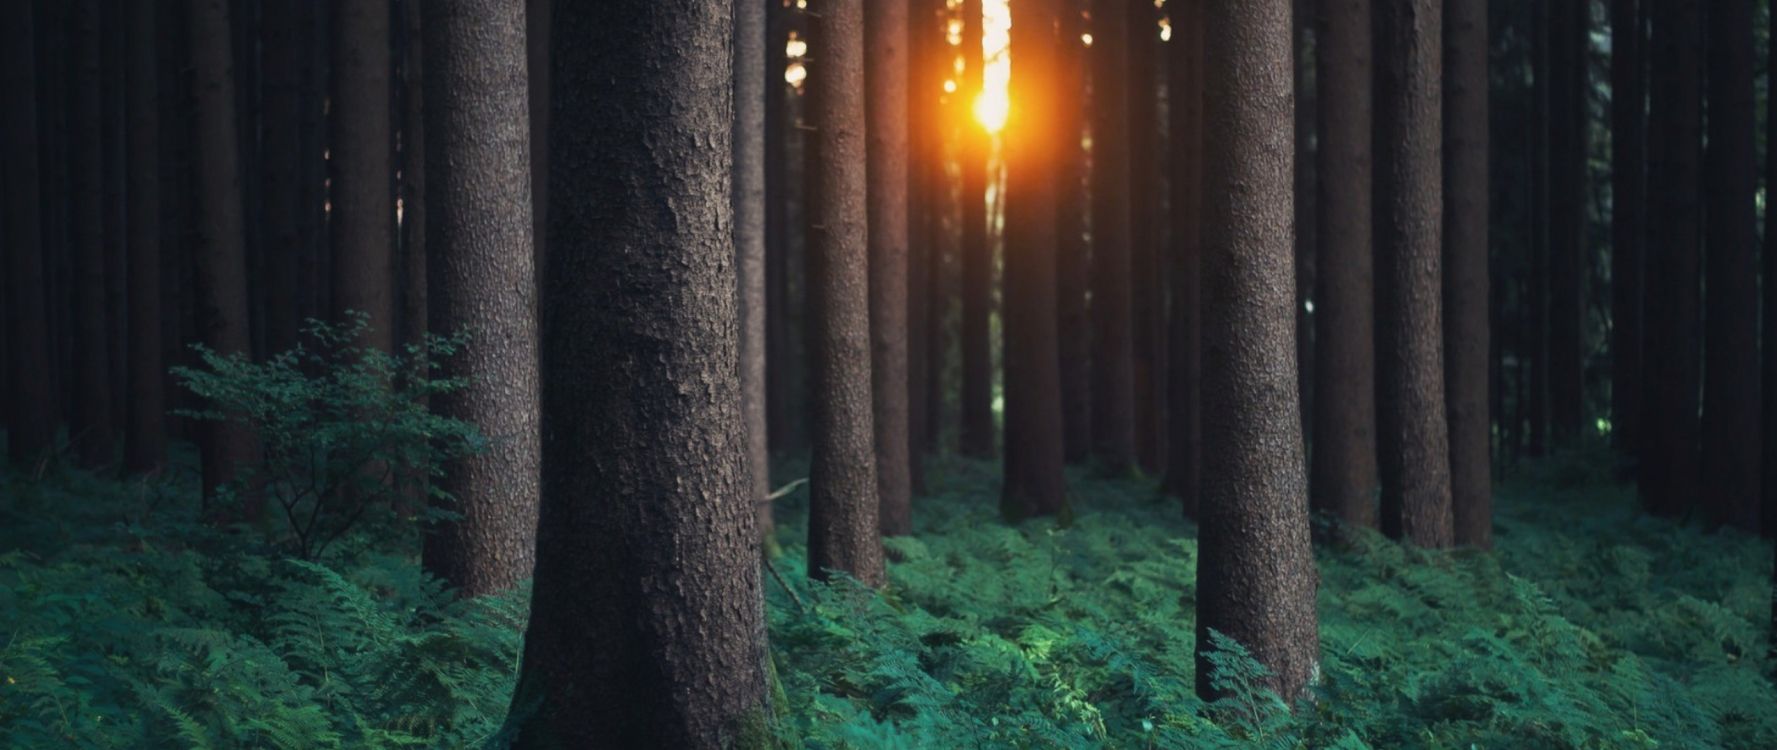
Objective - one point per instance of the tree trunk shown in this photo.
(114, 46)
(843, 527)
(751, 82)
(1466, 334)
(145, 443)
(1255, 575)
(363, 216)
(414, 205)
(647, 627)
(55, 72)
(1343, 465)
(1628, 218)
(1412, 438)
(91, 431)
(782, 422)
(1669, 459)
(1568, 40)
(924, 149)
(1113, 381)
(1074, 327)
(284, 155)
(1769, 478)
(976, 437)
(30, 433)
(885, 82)
(1147, 300)
(1536, 318)
(1184, 467)
(1307, 88)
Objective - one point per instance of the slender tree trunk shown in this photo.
(145, 443)
(114, 47)
(843, 526)
(1466, 334)
(751, 83)
(1568, 40)
(1184, 467)
(1536, 319)
(1307, 87)
(885, 82)
(414, 205)
(284, 155)
(1113, 384)
(1147, 300)
(55, 47)
(1074, 262)
(976, 438)
(30, 433)
(362, 221)
(91, 431)
(781, 422)
(922, 194)
(244, 18)
(1412, 438)
(1255, 575)
(1628, 218)
(647, 626)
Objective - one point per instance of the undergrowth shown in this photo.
(125, 623)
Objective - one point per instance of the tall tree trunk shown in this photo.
(114, 47)
(415, 210)
(91, 431)
(976, 437)
(751, 83)
(885, 84)
(1034, 483)
(1074, 262)
(482, 284)
(1147, 300)
(1769, 479)
(1343, 478)
(284, 155)
(1113, 384)
(145, 443)
(363, 216)
(1669, 459)
(1255, 576)
(924, 149)
(30, 433)
(1304, 40)
(1536, 318)
(1184, 467)
(782, 423)
(1628, 217)
(647, 626)
(1466, 334)
(1412, 438)
(843, 526)
(1569, 37)
(1731, 409)
(55, 73)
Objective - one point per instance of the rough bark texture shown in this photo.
(1184, 467)
(647, 624)
(1147, 300)
(91, 430)
(30, 431)
(1628, 218)
(1034, 484)
(363, 217)
(1731, 409)
(1113, 379)
(145, 442)
(1669, 459)
(1074, 255)
(885, 83)
(1568, 112)
(1343, 478)
(482, 284)
(976, 437)
(750, 85)
(1412, 438)
(1255, 575)
(842, 515)
(1466, 334)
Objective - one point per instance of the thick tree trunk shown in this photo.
(1113, 380)
(1568, 95)
(1412, 438)
(885, 83)
(1343, 475)
(751, 83)
(843, 527)
(1034, 484)
(1074, 327)
(1147, 298)
(1466, 334)
(1184, 465)
(1731, 409)
(1628, 218)
(976, 437)
(91, 432)
(647, 627)
(145, 443)
(1255, 576)
(363, 216)
(30, 433)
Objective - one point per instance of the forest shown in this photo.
(853, 374)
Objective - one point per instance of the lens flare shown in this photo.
(994, 104)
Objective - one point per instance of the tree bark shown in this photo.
(1628, 218)
(1074, 326)
(1569, 38)
(782, 422)
(145, 443)
(1412, 438)
(924, 148)
(1255, 575)
(1147, 300)
(55, 71)
(92, 431)
(112, 132)
(1466, 333)
(976, 437)
(415, 210)
(1113, 380)
(1184, 467)
(363, 216)
(30, 433)
(284, 195)
(1536, 318)
(843, 526)
(885, 82)
(1343, 465)
(751, 82)
(647, 626)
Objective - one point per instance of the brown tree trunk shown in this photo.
(1568, 40)
(1113, 381)
(1343, 478)
(1074, 327)
(30, 433)
(1184, 467)
(145, 443)
(647, 627)
(976, 437)
(1147, 300)
(1628, 218)
(1669, 460)
(1466, 334)
(1256, 576)
(842, 517)
(91, 432)
(363, 216)
(885, 82)
(924, 149)
(1412, 438)
(750, 86)
(1034, 484)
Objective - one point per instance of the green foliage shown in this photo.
(344, 429)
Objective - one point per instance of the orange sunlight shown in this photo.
(993, 104)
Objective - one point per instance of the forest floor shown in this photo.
(124, 623)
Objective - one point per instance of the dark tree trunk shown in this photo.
(751, 83)
(177, 111)
(284, 196)
(976, 437)
(1307, 88)
(1074, 327)
(362, 222)
(1536, 318)
(885, 82)
(414, 204)
(1731, 409)
(1669, 459)
(843, 527)
(924, 149)
(1034, 484)
(1113, 380)
(782, 423)
(536, 37)
(1466, 334)
(114, 47)
(30, 431)
(1412, 438)
(145, 443)
(1147, 300)
(55, 72)
(1769, 478)
(244, 18)
(1343, 464)
(91, 431)
(1256, 576)
(1568, 40)
(1184, 467)
(647, 627)
(1628, 218)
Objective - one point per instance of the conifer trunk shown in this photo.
(91, 430)
(1113, 381)
(1147, 300)
(30, 431)
(1628, 219)
(1184, 467)
(976, 436)
(363, 215)
(885, 82)
(145, 432)
(1074, 327)
(1568, 112)
(750, 87)
(1466, 333)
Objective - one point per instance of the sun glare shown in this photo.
(994, 103)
